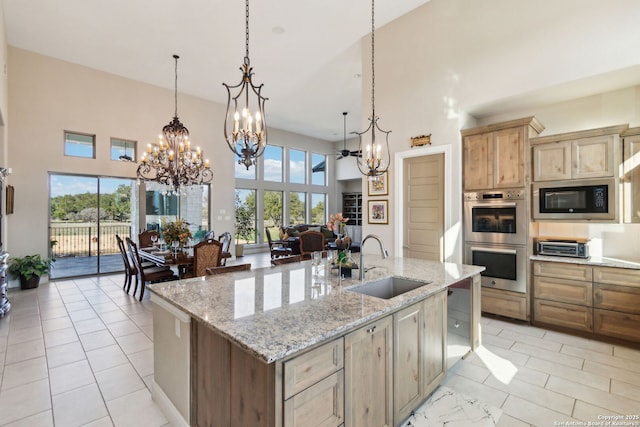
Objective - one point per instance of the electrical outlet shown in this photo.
(177, 327)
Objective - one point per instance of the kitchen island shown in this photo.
(281, 346)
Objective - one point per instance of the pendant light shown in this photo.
(375, 157)
(245, 126)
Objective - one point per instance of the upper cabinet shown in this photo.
(494, 156)
(577, 155)
(631, 170)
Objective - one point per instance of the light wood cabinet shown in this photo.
(605, 300)
(631, 181)
(368, 375)
(504, 303)
(563, 295)
(593, 153)
(494, 156)
(419, 353)
(322, 404)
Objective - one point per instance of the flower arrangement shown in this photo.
(176, 231)
(336, 222)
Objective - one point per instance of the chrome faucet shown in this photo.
(383, 252)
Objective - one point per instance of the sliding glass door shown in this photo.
(86, 213)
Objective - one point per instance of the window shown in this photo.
(273, 163)
(297, 208)
(121, 149)
(79, 145)
(297, 167)
(273, 213)
(245, 210)
(318, 169)
(318, 203)
(241, 170)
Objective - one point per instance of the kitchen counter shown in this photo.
(275, 312)
(593, 261)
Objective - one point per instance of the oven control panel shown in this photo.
(494, 195)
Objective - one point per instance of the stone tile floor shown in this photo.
(79, 353)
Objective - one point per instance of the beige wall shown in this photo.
(48, 96)
(440, 62)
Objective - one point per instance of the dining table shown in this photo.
(182, 259)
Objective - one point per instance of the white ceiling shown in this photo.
(306, 53)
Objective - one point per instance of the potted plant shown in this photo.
(29, 269)
(244, 224)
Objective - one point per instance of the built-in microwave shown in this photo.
(584, 199)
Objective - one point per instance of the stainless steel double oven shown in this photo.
(495, 234)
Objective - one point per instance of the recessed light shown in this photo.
(278, 30)
(357, 75)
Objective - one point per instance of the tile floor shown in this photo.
(79, 353)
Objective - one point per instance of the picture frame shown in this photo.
(379, 187)
(10, 197)
(378, 212)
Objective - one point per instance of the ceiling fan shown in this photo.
(344, 152)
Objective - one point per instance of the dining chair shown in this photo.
(286, 260)
(130, 270)
(277, 248)
(221, 269)
(147, 275)
(144, 238)
(205, 254)
(225, 238)
(310, 242)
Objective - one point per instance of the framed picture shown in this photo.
(9, 202)
(378, 211)
(379, 187)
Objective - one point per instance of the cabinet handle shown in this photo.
(371, 329)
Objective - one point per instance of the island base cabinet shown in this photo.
(368, 375)
(419, 353)
(320, 405)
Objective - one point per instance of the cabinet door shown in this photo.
(552, 161)
(508, 154)
(322, 404)
(631, 178)
(368, 373)
(435, 341)
(478, 162)
(560, 314)
(592, 157)
(408, 327)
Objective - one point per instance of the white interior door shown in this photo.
(423, 209)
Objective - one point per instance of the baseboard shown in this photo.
(171, 412)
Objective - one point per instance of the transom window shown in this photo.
(79, 145)
(122, 149)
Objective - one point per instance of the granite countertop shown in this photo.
(593, 261)
(274, 312)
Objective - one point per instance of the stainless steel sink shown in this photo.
(388, 287)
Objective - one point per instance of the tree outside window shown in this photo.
(245, 211)
(273, 213)
(318, 203)
(297, 208)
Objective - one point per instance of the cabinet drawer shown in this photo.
(563, 270)
(504, 303)
(617, 276)
(309, 368)
(616, 324)
(617, 298)
(562, 290)
(561, 314)
(320, 405)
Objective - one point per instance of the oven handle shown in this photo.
(494, 204)
(497, 251)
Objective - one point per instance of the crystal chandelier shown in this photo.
(375, 158)
(171, 161)
(246, 133)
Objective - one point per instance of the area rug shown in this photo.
(449, 408)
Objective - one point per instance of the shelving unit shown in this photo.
(352, 207)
